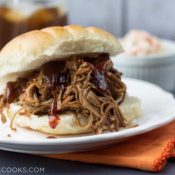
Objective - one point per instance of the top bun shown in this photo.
(30, 50)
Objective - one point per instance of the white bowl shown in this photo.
(158, 69)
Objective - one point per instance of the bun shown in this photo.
(30, 50)
(68, 123)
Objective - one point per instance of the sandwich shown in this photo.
(61, 81)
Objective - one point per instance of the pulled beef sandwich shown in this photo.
(61, 80)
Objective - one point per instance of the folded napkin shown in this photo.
(148, 151)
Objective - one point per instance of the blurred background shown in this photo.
(119, 16)
(155, 17)
(116, 16)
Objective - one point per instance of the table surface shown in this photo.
(53, 166)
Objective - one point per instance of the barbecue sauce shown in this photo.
(10, 92)
(99, 78)
(55, 74)
(56, 78)
(13, 89)
(53, 117)
(99, 73)
(51, 137)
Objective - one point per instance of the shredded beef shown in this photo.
(89, 86)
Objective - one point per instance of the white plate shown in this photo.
(158, 109)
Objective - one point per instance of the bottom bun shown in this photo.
(68, 123)
(131, 108)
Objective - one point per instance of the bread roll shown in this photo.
(31, 50)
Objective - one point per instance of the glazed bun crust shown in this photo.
(30, 50)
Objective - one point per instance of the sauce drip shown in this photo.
(56, 77)
(55, 74)
(3, 117)
(8, 135)
(53, 117)
(99, 73)
(99, 78)
(10, 92)
(51, 137)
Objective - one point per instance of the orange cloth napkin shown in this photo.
(148, 151)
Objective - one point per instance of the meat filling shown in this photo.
(88, 86)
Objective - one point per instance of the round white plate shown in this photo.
(158, 109)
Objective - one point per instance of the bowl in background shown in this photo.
(158, 69)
